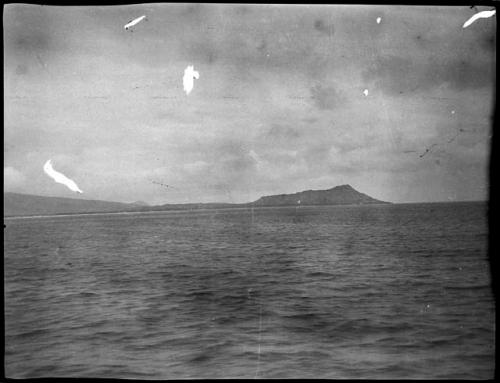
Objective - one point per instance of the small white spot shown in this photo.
(188, 80)
(452, 112)
(298, 201)
(480, 15)
(428, 306)
(365, 92)
(379, 19)
(60, 178)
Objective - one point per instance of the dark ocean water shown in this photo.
(388, 291)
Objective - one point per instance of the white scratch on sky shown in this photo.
(480, 15)
(188, 80)
(134, 22)
(60, 178)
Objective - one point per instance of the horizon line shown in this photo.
(241, 203)
(220, 208)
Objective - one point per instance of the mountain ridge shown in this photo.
(17, 204)
(338, 195)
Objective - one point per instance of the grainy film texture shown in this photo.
(248, 191)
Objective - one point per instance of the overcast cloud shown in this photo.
(278, 108)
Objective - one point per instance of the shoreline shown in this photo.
(187, 210)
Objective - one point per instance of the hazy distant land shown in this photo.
(16, 204)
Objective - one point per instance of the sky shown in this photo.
(279, 105)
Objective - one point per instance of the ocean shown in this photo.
(368, 292)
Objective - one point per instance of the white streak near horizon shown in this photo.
(480, 15)
(188, 80)
(60, 178)
(260, 339)
(134, 22)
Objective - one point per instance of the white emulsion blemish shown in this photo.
(379, 19)
(136, 21)
(60, 178)
(480, 15)
(188, 80)
(365, 92)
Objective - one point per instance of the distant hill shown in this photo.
(15, 204)
(26, 205)
(139, 203)
(339, 195)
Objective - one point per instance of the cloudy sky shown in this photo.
(278, 108)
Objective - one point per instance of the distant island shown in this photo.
(339, 195)
(16, 204)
